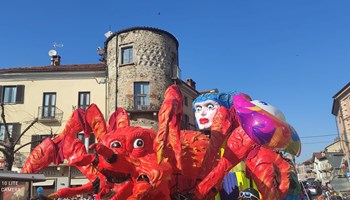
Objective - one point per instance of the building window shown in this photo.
(13, 129)
(37, 139)
(186, 122)
(185, 100)
(87, 141)
(84, 100)
(127, 55)
(49, 105)
(12, 94)
(141, 94)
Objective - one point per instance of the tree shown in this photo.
(8, 145)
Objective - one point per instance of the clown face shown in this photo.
(205, 112)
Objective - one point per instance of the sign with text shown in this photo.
(14, 190)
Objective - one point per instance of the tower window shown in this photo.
(141, 94)
(127, 55)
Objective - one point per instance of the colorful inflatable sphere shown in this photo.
(264, 123)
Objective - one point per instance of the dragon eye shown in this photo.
(139, 143)
(116, 144)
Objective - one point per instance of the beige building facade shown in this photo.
(341, 111)
(137, 65)
(49, 94)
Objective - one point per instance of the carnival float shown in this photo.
(139, 163)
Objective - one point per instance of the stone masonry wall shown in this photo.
(154, 56)
(111, 61)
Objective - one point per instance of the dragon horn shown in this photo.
(95, 122)
(118, 119)
(169, 117)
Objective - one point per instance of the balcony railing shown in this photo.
(49, 114)
(142, 107)
(84, 107)
(138, 107)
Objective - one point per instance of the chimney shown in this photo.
(55, 60)
(191, 83)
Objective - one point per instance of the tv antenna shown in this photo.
(55, 45)
(55, 58)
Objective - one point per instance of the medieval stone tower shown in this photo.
(141, 63)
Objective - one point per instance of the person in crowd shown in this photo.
(249, 194)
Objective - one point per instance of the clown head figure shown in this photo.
(205, 112)
(206, 106)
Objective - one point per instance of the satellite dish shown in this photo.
(52, 53)
(109, 33)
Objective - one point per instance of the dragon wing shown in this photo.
(170, 117)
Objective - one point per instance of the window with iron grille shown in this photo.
(141, 95)
(49, 105)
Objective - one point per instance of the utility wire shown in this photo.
(315, 142)
(313, 136)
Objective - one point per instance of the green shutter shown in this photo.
(1, 93)
(16, 132)
(20, 94)
(37, 139)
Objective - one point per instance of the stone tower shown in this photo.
(141, 63)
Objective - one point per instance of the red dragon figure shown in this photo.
(139, 163)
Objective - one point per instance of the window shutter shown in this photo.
(16, 131)
(35, 138)
(20, 94)
(1, 93)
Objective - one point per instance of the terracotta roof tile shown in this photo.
(60, 68)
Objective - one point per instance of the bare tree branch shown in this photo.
(4, 151)
(5, 145)
(28, 143)
(25, 130)
(4, 120)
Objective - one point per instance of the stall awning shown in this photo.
(44, 183)
(79, 181)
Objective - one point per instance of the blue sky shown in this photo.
(294, 54)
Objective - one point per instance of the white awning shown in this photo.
(78, 181)
(44, 183)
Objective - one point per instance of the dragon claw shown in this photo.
(53, 195)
